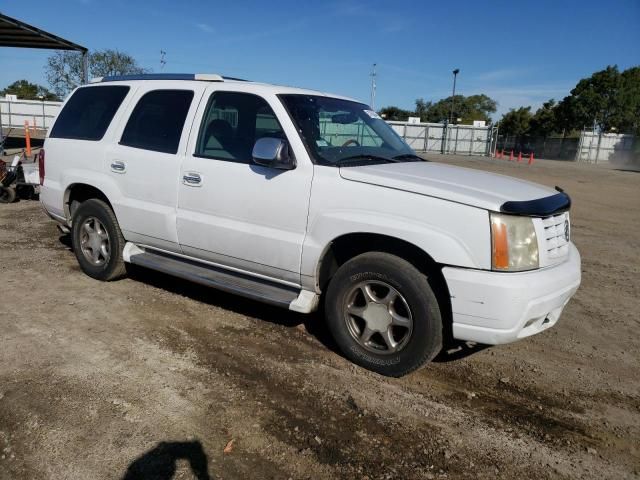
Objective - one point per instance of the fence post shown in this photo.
(426, 136)
(598, 146)
(9, 107)
(473, 132)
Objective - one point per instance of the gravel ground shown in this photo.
(154, 378)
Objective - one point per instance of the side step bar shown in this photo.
(244, 285)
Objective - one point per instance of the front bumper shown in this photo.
(500, 307)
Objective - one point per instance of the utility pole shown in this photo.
(373, 87)
(163, 62)
(453, 97)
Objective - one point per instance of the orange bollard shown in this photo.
(511, 156)
(519, 157)
(530, 159)
(27, 137)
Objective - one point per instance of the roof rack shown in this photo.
(206, 77)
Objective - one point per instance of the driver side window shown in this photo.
(232, 123)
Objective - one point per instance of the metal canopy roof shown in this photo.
(14, 33)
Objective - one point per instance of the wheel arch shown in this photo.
(80, 192)
(347, 246)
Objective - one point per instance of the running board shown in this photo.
(233, 282)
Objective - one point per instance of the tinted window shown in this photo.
(88, 113)
(157, 121)
(232, 123)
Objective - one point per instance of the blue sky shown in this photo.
(519, 53)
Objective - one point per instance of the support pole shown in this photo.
(85, 67)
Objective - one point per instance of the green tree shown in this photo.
(64, 69)
(627, 116)
(467, 109)
(395, 113)
(544, 121)
(29, 91)
(422, 109)
(594, 100)
(515, 121)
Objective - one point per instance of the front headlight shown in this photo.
(514, 246)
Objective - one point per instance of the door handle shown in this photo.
(118, 166)
(192, 179)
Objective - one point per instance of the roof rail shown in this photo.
(207, 77)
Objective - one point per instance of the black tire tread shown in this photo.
(117, 268)
(394, 263)
(7, 194)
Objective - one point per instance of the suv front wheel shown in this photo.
(98, 241)
(383, 314)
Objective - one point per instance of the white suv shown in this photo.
(290, 196)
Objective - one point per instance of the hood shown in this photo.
(457, 184)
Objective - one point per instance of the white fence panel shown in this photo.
(459, 139)
(599, 148)
(39, 114)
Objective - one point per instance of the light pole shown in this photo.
(453, 97)
(373, 87)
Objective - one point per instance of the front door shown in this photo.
(231, 211)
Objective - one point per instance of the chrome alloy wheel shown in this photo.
(378, 317)
(95, 242)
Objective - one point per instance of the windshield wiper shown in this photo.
(408, 156)
(363, 156)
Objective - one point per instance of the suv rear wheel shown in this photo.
(98, 241)
(383, 314)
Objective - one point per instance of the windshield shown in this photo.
(341, 132)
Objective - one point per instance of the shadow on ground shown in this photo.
(160, 463)
(313, 323)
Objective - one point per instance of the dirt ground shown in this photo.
(152, 377)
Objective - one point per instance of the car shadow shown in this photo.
(313, 323)
(160, 463)
(65, 239)
(457, 350)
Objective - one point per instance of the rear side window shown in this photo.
(157, 121)
(88, 113)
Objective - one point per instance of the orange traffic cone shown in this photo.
(511, 156)
(531, 158)
(519, 157)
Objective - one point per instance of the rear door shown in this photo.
(145, 160)
(231, 211)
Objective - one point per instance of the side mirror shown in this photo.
(274, 153)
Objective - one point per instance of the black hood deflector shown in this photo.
(542, 207)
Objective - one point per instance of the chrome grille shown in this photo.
(557, 231)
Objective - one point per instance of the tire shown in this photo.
(98, 241)
(7, 194)
(401, 310)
